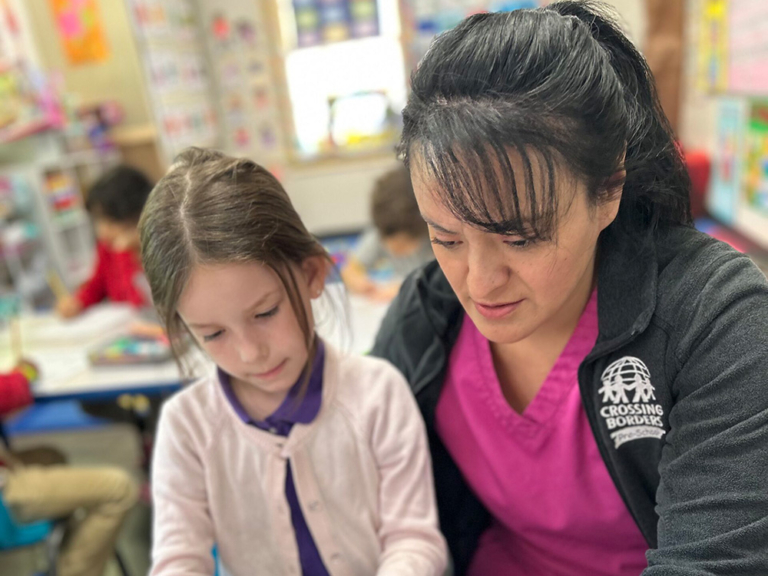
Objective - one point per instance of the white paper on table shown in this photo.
(59, 365)
(94, 323)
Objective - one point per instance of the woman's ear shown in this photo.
(613, 190)
(315, 270)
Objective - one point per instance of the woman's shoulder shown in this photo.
(693, 265)
(703, 281)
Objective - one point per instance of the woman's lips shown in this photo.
(497, 311)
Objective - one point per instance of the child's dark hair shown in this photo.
(393, 206)
(210, 209)
(119, 195)
(559, 86)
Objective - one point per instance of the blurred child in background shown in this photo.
(115, 203)
(398, 238)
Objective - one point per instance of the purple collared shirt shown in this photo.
(291, 412)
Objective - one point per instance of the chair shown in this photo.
(14, 535)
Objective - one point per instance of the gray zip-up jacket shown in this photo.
(675, 389)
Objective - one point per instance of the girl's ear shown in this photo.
(315, 270)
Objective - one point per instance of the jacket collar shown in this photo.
(627, 277)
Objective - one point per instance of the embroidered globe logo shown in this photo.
(625, 376)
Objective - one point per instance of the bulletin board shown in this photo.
(733, 66)
(324, 21)
(177, 74)
(756, 159)
(241, 61)
(81, 30)
(748, 47)
(424, 19)
(726, 179)
(713, 46)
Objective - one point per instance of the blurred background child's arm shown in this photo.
(91, 292)
(356, 277)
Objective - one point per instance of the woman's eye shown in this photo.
(444, 243)
(211, 337)
(268, 313)
(519, 243)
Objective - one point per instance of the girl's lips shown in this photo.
(271, 373)
(496, 311)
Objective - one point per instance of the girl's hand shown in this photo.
(68, 307)
(144, 329)
(355, 276)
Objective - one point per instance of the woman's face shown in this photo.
(509, 287)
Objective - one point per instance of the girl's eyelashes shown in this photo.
(211, 337)
(268, 313)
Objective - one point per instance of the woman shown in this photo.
(591, 368)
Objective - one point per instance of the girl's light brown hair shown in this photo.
(212, 209)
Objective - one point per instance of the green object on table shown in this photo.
(10, 307)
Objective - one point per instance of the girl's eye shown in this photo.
(444, 243)
(268, 313)
(211, 337)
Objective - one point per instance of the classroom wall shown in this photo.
(330, 196)
(334, 196)
(633, 15)
(118, 78)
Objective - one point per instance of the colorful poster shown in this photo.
(427, 18)
(176, 68)
(81, 30)
(756, 159)
(748, 46)
(713, 47)
(327, 21)
(725, 189)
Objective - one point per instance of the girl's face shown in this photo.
(509, 287)
(241, 315)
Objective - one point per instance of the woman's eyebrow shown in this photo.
(437, 226)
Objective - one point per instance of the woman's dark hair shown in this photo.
(119, 195)
(559, 86)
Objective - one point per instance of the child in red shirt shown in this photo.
(115, 202)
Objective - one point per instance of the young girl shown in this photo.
(293, 458)
(591, 368)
